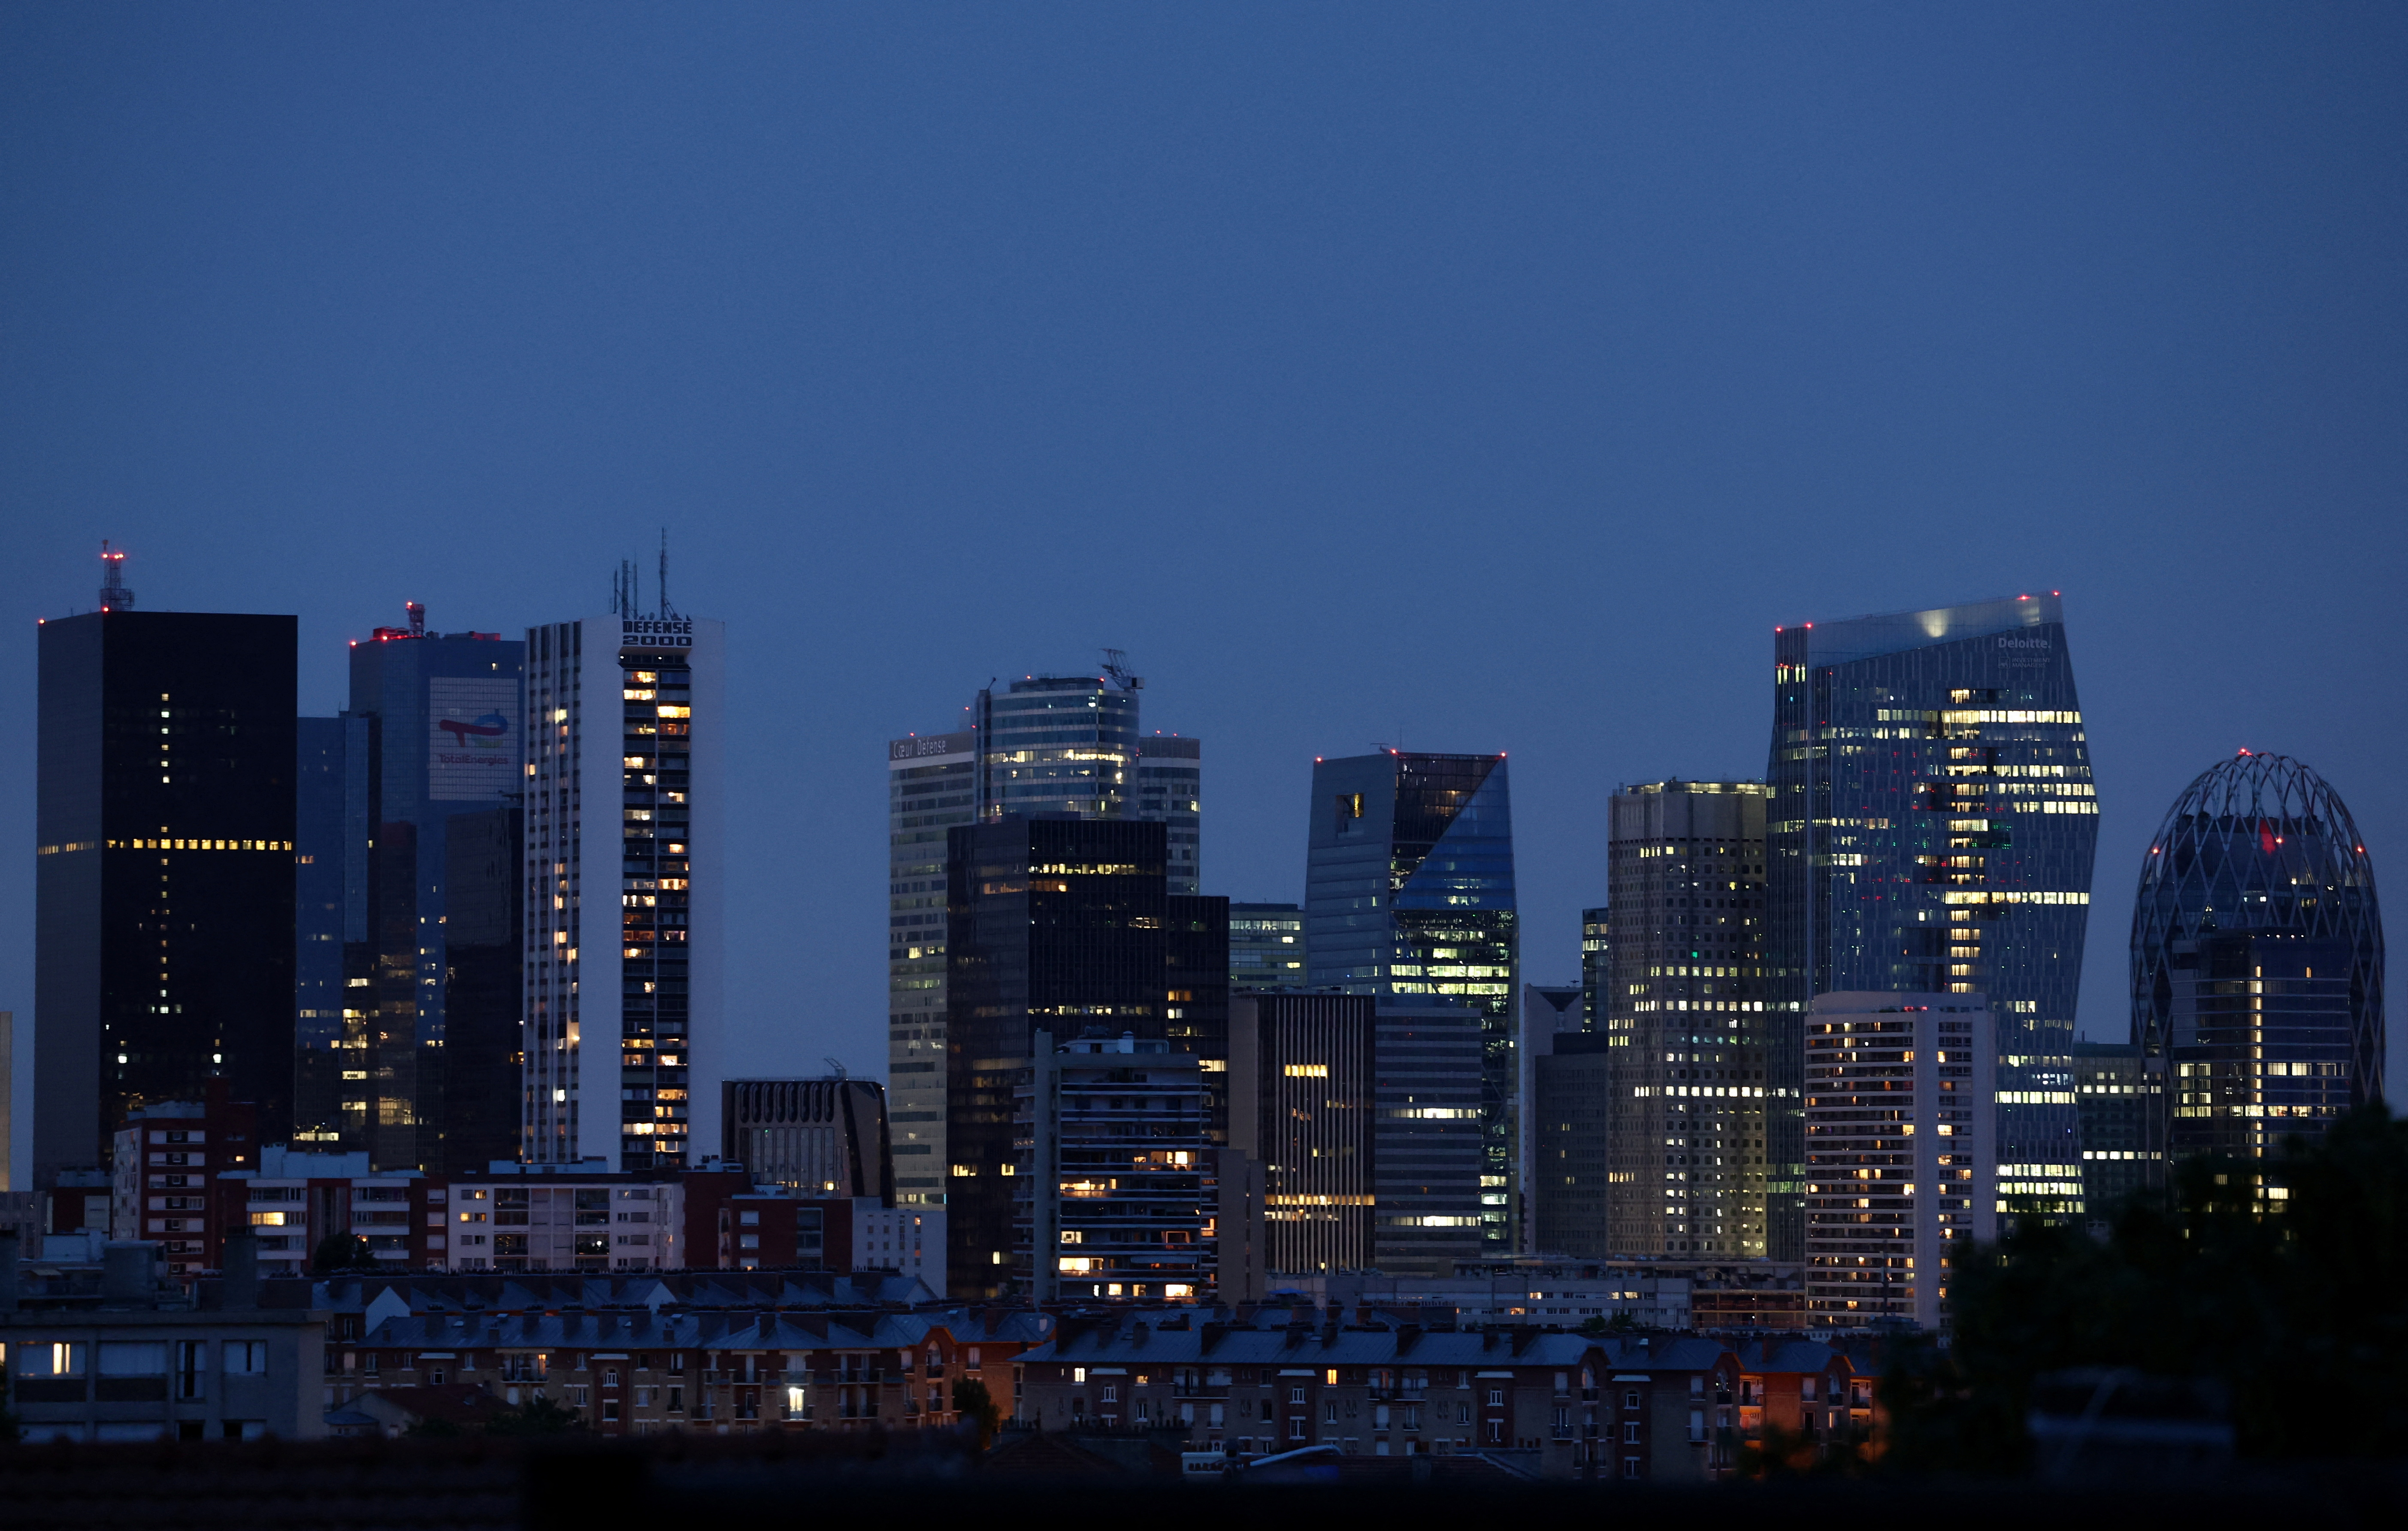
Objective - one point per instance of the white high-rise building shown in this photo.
(1902, 1157)
(626, 728)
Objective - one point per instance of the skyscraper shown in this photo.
(445, 736)
(1432, 1163)
(164, 846)
(1301, 1087)
(2258, 959)
(931, 786)
(1266, 946)
(1059, 922)
(1595, 959)
(1899, 1154)
(623, 1020)
(1684, 1017)
(1932, 828)
(1045, 744)
(1408, 895)
(332, 837)
(819, 1138)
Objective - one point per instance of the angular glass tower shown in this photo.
(1408, 893)
(1932, 830)
(2258, 959)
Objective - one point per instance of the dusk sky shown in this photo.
(1477, 378)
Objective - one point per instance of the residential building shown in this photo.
(135, 1358)
(1266, 946)
(818, 1137)
(773, 1228)
(1061, 922)
(624, 1020)
(1552, 1405)
(2123, 1119)
(164, 1168)
(2258, 960)
(1045, 744)
(1113, 1188)
(1302, 1102)
(1688, 1034)
(1572, 1108)
(163, 869)
(1430, 1178)
(784, 1353)
(1410, 897)
(1932, 827)
(1901, 1175)
(445, 735)
(1801, 1402)
(293, 1201)
(1533, 1291)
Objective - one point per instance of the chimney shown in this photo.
(239, 1287)
(8, 1270)
(125, 1273)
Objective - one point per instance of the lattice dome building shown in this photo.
(2258, 959)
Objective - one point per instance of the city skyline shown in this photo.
(950, 348)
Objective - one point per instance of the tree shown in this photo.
(538, 1416)
(341, 1252)
(976, 1405)
(2280, 1279)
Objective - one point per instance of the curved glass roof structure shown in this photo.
(2257, 958)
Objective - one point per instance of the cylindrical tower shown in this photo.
(2258, 959)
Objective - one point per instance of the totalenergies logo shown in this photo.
(480, 732)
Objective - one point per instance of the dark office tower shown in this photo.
(1266, 946)
(1684, 1021)
(1596, 957)
(1572, 1168)
(2258, 959)
(1429, 1155)
(1058, 924)
(484, 998)
(446, 735)
(330, 914)
(1548, 1010)
(1301, 1104)
(1932, 828)
(621, 1020)
(823, 1137)
(1044, 745)
(2123, 1109)
(1408, 895)
(163, 921)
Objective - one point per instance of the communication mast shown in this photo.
(114, 595)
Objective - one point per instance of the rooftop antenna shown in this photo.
(661, 588)
(114, 595)
(417, 609)
(1116, 666)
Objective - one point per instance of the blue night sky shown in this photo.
(1486, 376)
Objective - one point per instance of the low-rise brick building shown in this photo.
(1562, 1404)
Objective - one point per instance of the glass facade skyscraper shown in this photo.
(1266, 946)
(1044, 745)
(1685, 1021)
(445, 735)
(1932, 828)
(1059, 925)
(1408, 894)
(2258, 959)
(163, 872)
